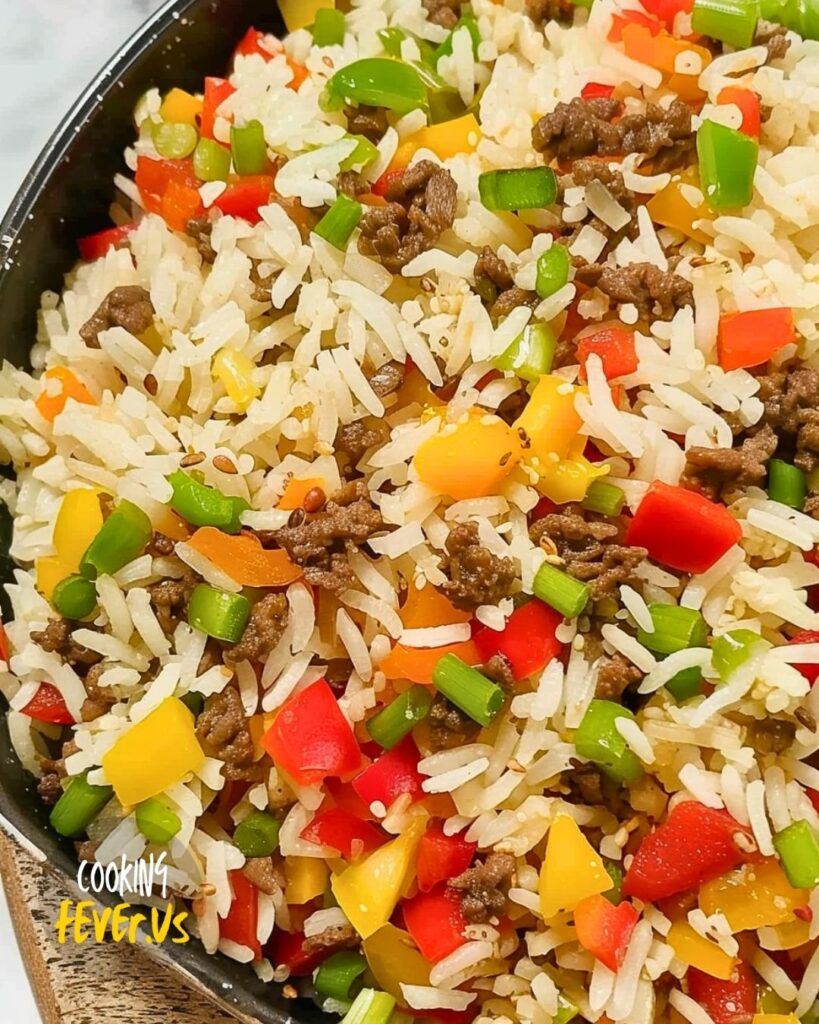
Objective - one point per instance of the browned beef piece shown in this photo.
(128, 306)
(99, 699)
(87, 850)
(588, 548)
(354, 439)
(161, 546)
(492, 275)
(263, 630)
(371, 122)
(352, 184)
(169, 600)
(421, 205)
(499, 671)
(443, 12)
(387, 379)
(511, 299)
(664, 136)
(262, 872)
(812, 505)
(614, 676)
(807, 440)
(224, 732)
(318, 541)
(786, 394)
(774, 38)
(49, 788)
(578, 128)
(771, 735)
(716, 470)
(337, 936)
(483, 897)
(586, 780)
(541, 11)
(262, 283)
(200, 229)
(585, 171)
(449, 726)
(56, 639)
(655, 292)
(476, 576)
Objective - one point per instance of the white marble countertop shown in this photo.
(49, 50)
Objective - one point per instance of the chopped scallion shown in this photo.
(552, 270)
(560, 591)
(218, 613)
(370, 1007)
(604, 498)
(364, 153)
(248, 147)
(257, 835)
(468, 690)
(530, 355)
(685, 684)
(400, 716)
(337, 976)
(730, 21)
(787, 484)
(78, 806)
(211, 162)
(598, 740)
(156, 821)
(174, 141)
(798, 849)
(675, 629)
(75, 597)
(340, 221)
(731, 650)
(524, 188)
(328, 28)
(123, 536)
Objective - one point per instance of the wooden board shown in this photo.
(89, 984)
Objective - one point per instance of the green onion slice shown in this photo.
(560, 590)
(468, 690)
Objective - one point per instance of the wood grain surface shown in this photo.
(89, 984)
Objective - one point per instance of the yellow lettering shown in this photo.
(101, 923)
(135, 921)
(178, 921)
(119, 922)
(65, 918)
(81, 919)
(159, 929)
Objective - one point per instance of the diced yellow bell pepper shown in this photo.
(572, 869)
(768, 1003)
(550, 421)
(369, 890)
(775, 1018)
(469, 459)
(671, 208)
(259, 725)
(753, 896)
(301, 13)
(78, 522)
(696, 951)
(568, 479)
(790, 935)
(447, 139)
(393, 957)
(153, 754)
(179, 107)
(305, 879)
(51, 569)
(235, 371)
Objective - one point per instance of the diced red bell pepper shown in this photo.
(682, 529)
(93, 246)
(344, 832)
(435, 921)
(179, 204)
(242, 921)
(725, 1002)
(217, 91)
(596, 91)
(441, 857)
(667, 10)
(392, 775)
(604, 930)
(545, 506)
(154, 176)
(311, 739)
(748, 102)
(47, 705)
(381, 185)
(5, 651)
(286, 949)
(693, 845)
(751, 338)
(254, 41)
(344, 796)
(623, 18)
(615, 346)
(243, 197)
(807, 636)
(527, 641)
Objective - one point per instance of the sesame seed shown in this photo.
(150, 384)
(224, 465)
(192, 460)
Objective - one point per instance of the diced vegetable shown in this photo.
(78, 806)
(459, 135)
(337, 976)
(393, 774)
(435, 921)
(807, 636)
(598, 740)
(703, 530)
(378, 82)
(218, 613)
(393, 958)
(552, 270)
(248, 147)
(156, 821)
(217, 90)
(753, 896)
(178, 204)
(124, 535)
(732, 649)
(235, 370)
(685, 684)
(257, 835)
(693, 845)
(399, 717)
(787, 483)
(241, 923)
(751, 338)
(243, 197)
(305, 879)
(676, 207)
(798, 849)
(748, 102)
(799, 15)
(211, 161)
(48, 705)
(614, 346)
(154, 753)
(468, 690)
(675, 629)
(521, 189)
(530, 355)
(615, 870)
(74, 597)
(467, 21)
(604, 498)
(527, 641)
(60, 384)
(560, 590)
(174, 141)
(311, 739)
(92, 247)
(730, 21)
(243, 558)
(78, 522)
(340, 221)
(727, 165)
(696, 951)
(417, 664)
(341, 830)
(287, 949)
(724, 1001)
(604, 930)
(364, 153)
(441, 857)
(328, 28)
(572, 869)
(205, 506)
(370, 1007)
(181, 107)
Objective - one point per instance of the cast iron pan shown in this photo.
(66, 195)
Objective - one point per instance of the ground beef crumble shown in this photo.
(789, 410)
(127, 306)
(655, 292)
(352, 184)
(56, 639)
(224, 731)
(264, 874)
(371, 122)
(714, 471)
(263, 631)
(99, 699)
(774, 38)
(476, 576)
(499, 670)
(338, 936)
(353, 439)
(200, 229)
(169, 600)
(421, 205)
(541, 11)
(614, 676)
(443, 12)
(483, 897)
(449, 726)
(387, 379)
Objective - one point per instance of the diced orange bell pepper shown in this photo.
(51, 400)
(751, 338)
(297, 490)
(244, 559)
(753, 896)
(417, 663)
(179, 204)
(470, 459)
(696, 951)
(659, 50)
(550, 421)
(748, 102)
(671, 208)
(181, 107)
(429, 607)
(445, 140)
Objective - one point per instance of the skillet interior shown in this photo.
(67, 195)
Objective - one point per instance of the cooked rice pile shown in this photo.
(350, 362)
